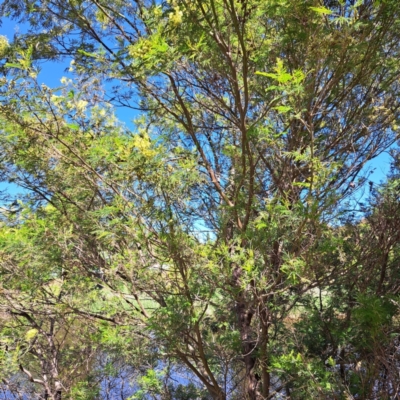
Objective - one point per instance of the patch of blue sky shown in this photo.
(51, 73)
(379, 167)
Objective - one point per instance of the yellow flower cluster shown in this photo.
(176, 16)
(3, 45)
(143, 145)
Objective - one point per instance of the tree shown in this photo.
(40, 337)
(221, 220)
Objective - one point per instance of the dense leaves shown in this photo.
(219, 245)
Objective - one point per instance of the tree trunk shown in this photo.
(265, 378)
(248, 346)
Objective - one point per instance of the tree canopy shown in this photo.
(224, 241)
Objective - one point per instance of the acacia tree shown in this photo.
(217, 219)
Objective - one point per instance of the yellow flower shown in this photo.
(157, 11)
(81, 105)
(3, 44)
(143, 144)
(176, 16)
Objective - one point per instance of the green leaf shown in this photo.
(85, 53)
(74, 127)
(322, 10)
(283, 109)
(13, 65)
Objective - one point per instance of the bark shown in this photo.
(244, 315)
(265, 378)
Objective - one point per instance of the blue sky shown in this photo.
(52, 72)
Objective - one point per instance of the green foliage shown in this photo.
(213, 236)
(149, 384)
(84, 391)
(373, 317)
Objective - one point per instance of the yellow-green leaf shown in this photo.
(322, 10)
(31, 334)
